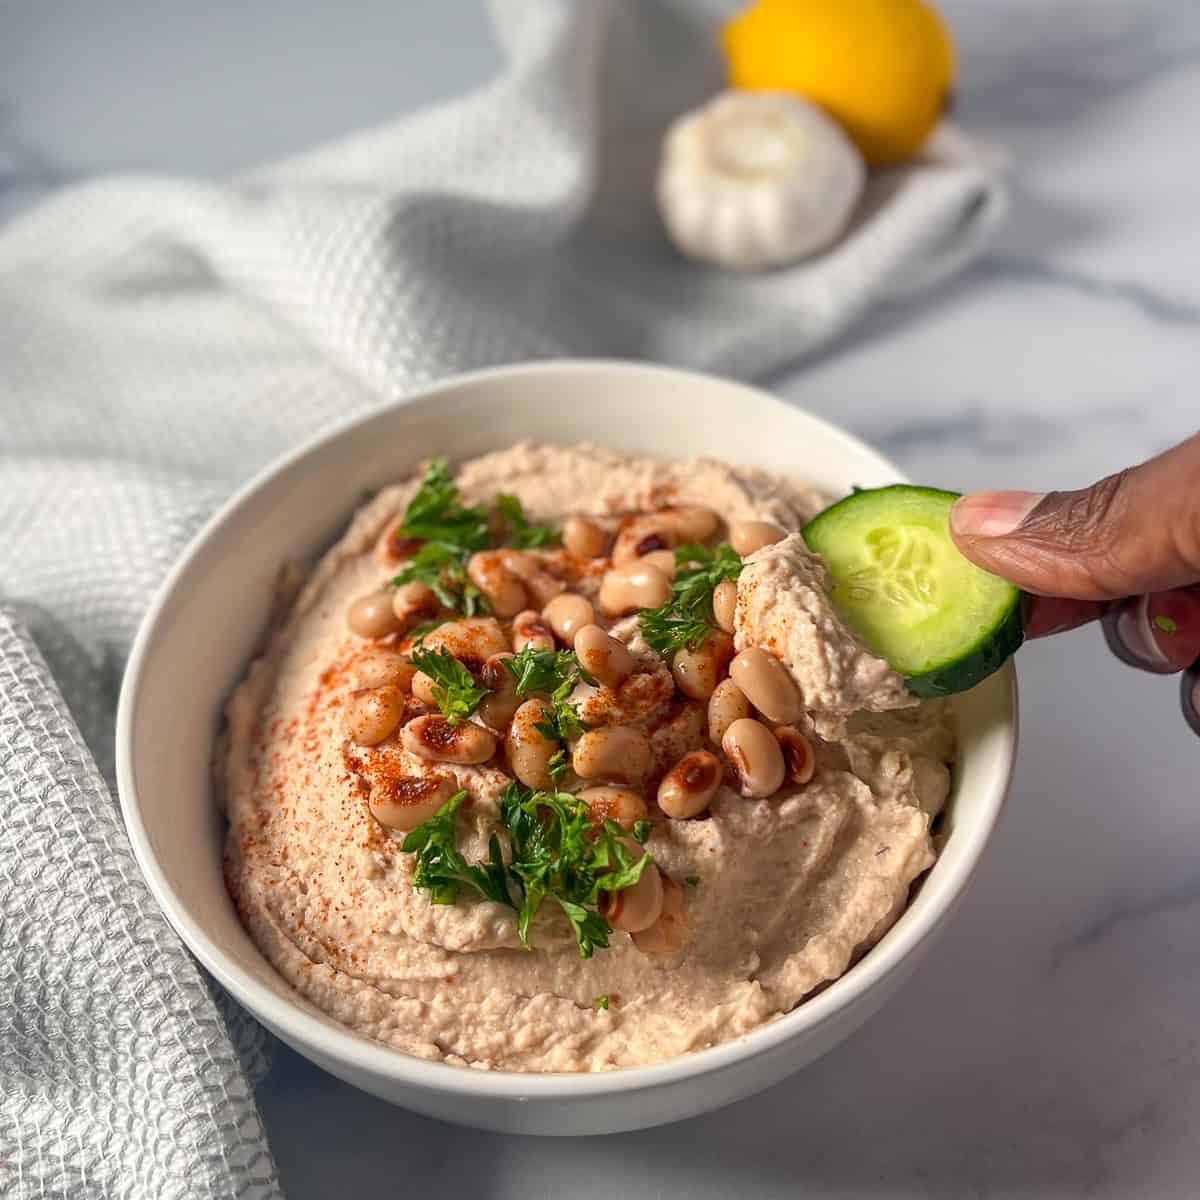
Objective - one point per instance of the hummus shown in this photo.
(768, 898)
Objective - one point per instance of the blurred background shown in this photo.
(1049, 1048)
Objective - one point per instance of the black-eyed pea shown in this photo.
(371, 616)
(618, 753)
(413, 602)
(646, 534)
(724, 603)
(529, 749)
(756, 756)
(384, 665)
(583, 536)
(503, 590)
(668, 934)
(567, 613)
(692, 522)
(664, 560)
(619, 804)
(697, 672)
(767, 685)
(540, 584)
(424, 689)
(747, 536)
(602, 656)
(625, 590)
(411, 800)
(436, 739)
(727, 704)
(530, 629)
(800, 762)
(497, 708)
(689, 786)
(473, 640)
(636, 908)
(372, 713)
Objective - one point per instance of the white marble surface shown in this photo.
(1050, 1046)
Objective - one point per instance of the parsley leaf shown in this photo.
(692, 881)
(556, 672)
(435, 515)
(537, 670)
(441, 868)
(558, 765)
(601, 1002)
(687, 618)
(558, 852)
(521, 533)
(454, 687)
(450, 533)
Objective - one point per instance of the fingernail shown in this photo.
(1138, 636)
(992, 514)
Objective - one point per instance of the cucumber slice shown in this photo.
(901, 584)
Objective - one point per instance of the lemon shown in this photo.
(881, 68)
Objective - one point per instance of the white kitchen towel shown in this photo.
(162, 338)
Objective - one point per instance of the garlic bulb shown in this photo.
(757, 179)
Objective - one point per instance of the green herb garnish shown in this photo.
(555, 673)
(558, 852)
(558, 766)
(454, 687)
(642, 831)
(442, 568)
(435, 515)
(687, 618)
(601, 1002)
(441, 869)
(451, 533)
(537, 670)
(692, 881)
(521, 533)
(1167, 624)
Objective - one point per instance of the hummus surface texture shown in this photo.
(780, 895)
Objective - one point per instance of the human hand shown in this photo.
(1132, 538)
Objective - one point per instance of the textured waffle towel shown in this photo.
(164, 338)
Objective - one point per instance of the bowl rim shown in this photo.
(290, 1018)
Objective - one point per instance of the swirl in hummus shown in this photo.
(764, 898)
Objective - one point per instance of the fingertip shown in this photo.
(991, 514)
(1174, 621)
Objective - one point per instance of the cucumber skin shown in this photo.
(962, 675)
(986, 657)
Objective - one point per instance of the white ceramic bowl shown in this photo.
(196, 639)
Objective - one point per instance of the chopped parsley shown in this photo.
(454, 687)
(521, 533)
(441, 869)
(601, 1002)
(435, 515)
(687, 618)
(1167, 624)
(556, 674)
(692, 881)
(558, 853)
(450, 534)
(558, 765)
(442, 567)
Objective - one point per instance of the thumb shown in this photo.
(1137, 531)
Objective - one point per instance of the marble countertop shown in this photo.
(1050, 1046)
